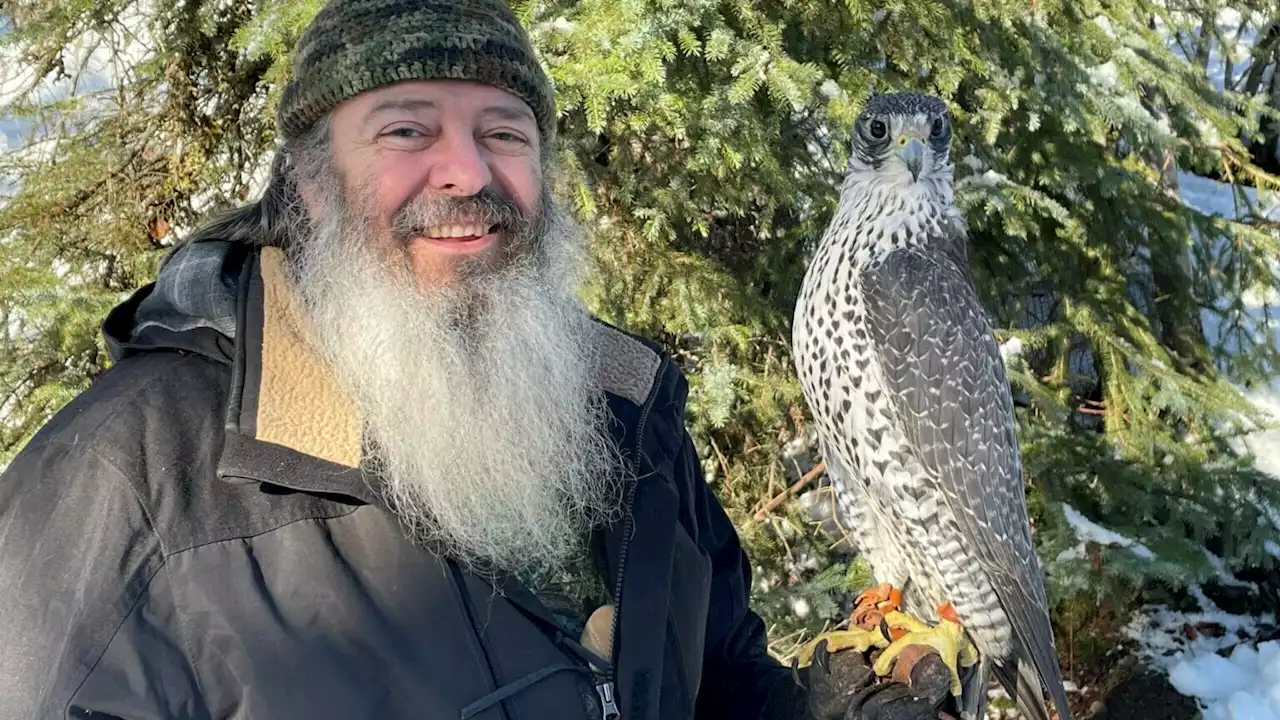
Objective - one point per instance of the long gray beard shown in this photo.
(487, 424)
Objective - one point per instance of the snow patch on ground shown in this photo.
(1244, 686)
(1214, 657)
(1167, 637)
(1217, 198)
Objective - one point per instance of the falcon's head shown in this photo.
(903, 139)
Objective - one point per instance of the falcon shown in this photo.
(915, 420)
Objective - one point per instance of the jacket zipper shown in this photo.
(607, 701)
(607, 689)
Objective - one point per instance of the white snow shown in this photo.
(1216, 198)
(1104, 22)
(1245, 686)
(1166, 637)
(1106, 84)
(800, 607)
(1225, 577)
(1106, 75)
(1010, 350)
(1230, 45)
(98, 61)
(1214, 657)
(990, 178)
(255, 40)
(99, 64)
(1087, 530)
(830, 89)
(559, 24)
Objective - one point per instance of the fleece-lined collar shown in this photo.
(298, 403)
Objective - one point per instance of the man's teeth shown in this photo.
(456, 231)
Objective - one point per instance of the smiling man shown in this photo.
(362, 455)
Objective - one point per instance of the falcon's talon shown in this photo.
(947, 637)
(893, 633)
(835, 641)
(821, 655)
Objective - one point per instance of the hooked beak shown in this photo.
(913, 155)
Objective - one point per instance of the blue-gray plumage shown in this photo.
(915, 418)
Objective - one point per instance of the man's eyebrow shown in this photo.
(410, 104)
(509, 112)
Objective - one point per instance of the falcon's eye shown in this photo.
(878, 129)
(937, 129)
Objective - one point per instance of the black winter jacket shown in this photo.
(189, 538)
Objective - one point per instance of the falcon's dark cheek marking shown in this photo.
(872, 158)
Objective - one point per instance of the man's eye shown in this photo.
(508, 138)
(405, 137)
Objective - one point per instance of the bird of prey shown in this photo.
(914, 414)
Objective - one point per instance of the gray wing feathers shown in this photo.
(946, 379)
(1019, 678)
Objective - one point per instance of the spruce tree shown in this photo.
(130, 120)
(702, 144)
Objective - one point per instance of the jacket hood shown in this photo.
(191, 306)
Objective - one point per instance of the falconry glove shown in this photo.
(843, 686)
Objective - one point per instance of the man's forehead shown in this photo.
(427, 96)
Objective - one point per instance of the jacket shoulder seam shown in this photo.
(142, 591)
(133, 607)
(137, 497)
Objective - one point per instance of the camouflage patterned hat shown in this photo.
(357, 45)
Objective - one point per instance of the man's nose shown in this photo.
(457, 166)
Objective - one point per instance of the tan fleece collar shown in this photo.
(301, 406)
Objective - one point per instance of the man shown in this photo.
(361, 455)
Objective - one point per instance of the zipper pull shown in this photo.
(605, 689)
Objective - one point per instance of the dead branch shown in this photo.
(796, 487)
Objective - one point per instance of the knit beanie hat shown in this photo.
(357, 45)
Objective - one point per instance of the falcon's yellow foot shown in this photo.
(837, 640)
(947, 638)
